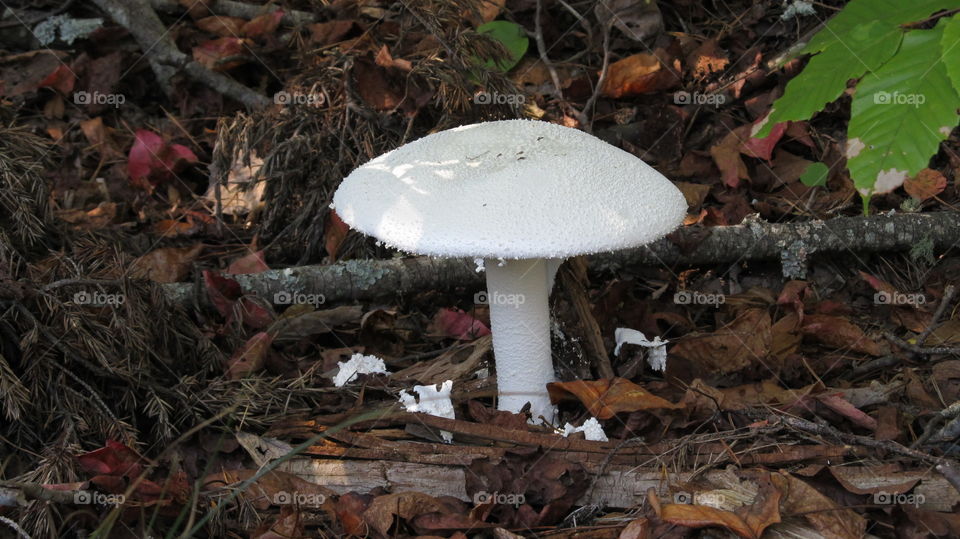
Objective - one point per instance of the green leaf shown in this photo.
(864, 35)
(513, 38)
(888, 13)
(950, 47)
(900, 114)
(815, 175)
(825, 76)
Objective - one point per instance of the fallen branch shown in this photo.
(230, 8)
(356, 280)
(138, 18)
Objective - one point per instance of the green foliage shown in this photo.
(513, 38)
(815, 175)
(906, 97)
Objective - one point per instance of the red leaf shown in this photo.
(251, 263)
(334, 232)
(62, 80)
(250, 358)
(221, 54)
(927, 184)
(222, 292)
(152, 161)
(112, 459)
(763, 147)
(264, 24)
(459, 325)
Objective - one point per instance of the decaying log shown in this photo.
(360, 280)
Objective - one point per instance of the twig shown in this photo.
(948, 292)
(586, 118)
(918, 350)
(542, 47)
(138, 18)
(238, 9)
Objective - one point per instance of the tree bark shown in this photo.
(363, 280)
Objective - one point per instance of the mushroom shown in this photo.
(523, 195)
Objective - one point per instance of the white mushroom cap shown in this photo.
(510, 189)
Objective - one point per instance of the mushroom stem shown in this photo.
(518, 293)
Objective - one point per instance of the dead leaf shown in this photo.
(637, 20)
(166, 264)
(458, 325)
(490, 9)
(606, 398)
(222, 26)
(250, 358)
(263, 25)
(95, 219)
(839, 333)
(100, 139)
(694, 193)
(838, 404)
(763, 147)
(334, 232)
(741, 343)
(828, 518)
(726, 155)
(406, 505)
(221, 54)
(927, 184)
(251, 263)
(273, 488)
(748, 521)
(634, 75)
(707, 59)
(326, 33)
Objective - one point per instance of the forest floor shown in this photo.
(162, 163)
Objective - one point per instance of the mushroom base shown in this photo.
(518, 294)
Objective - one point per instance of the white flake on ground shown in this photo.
(591, 429)
(656, 356)
(432, 401)
(358, 364)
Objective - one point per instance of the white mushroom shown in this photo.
(524, 195)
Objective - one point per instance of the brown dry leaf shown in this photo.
(748, 521)
(326, 33)
(311, 323)
(923, 523)
(726, 155)
(221, 54)
(766, 393)
(634, 75)
(637, 20)
(250, 358)
(839, 333)
(222, 26)
(250, 263)
(707, 59)
(606, 398)
(406, 505)
(946, 334)
(877, 283)
(731, 348)
(927, 184)
(489, 9)
(872, 479)
(785, 337)
(695, 193)
(838, 404)
(100, 139)
(288, 524)
(95, 219)
(822, 513)
(166, 264)
(334, 232)
(636, 529)
(371, 83)
(385, 59)
(457, 363)
(170, 228)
